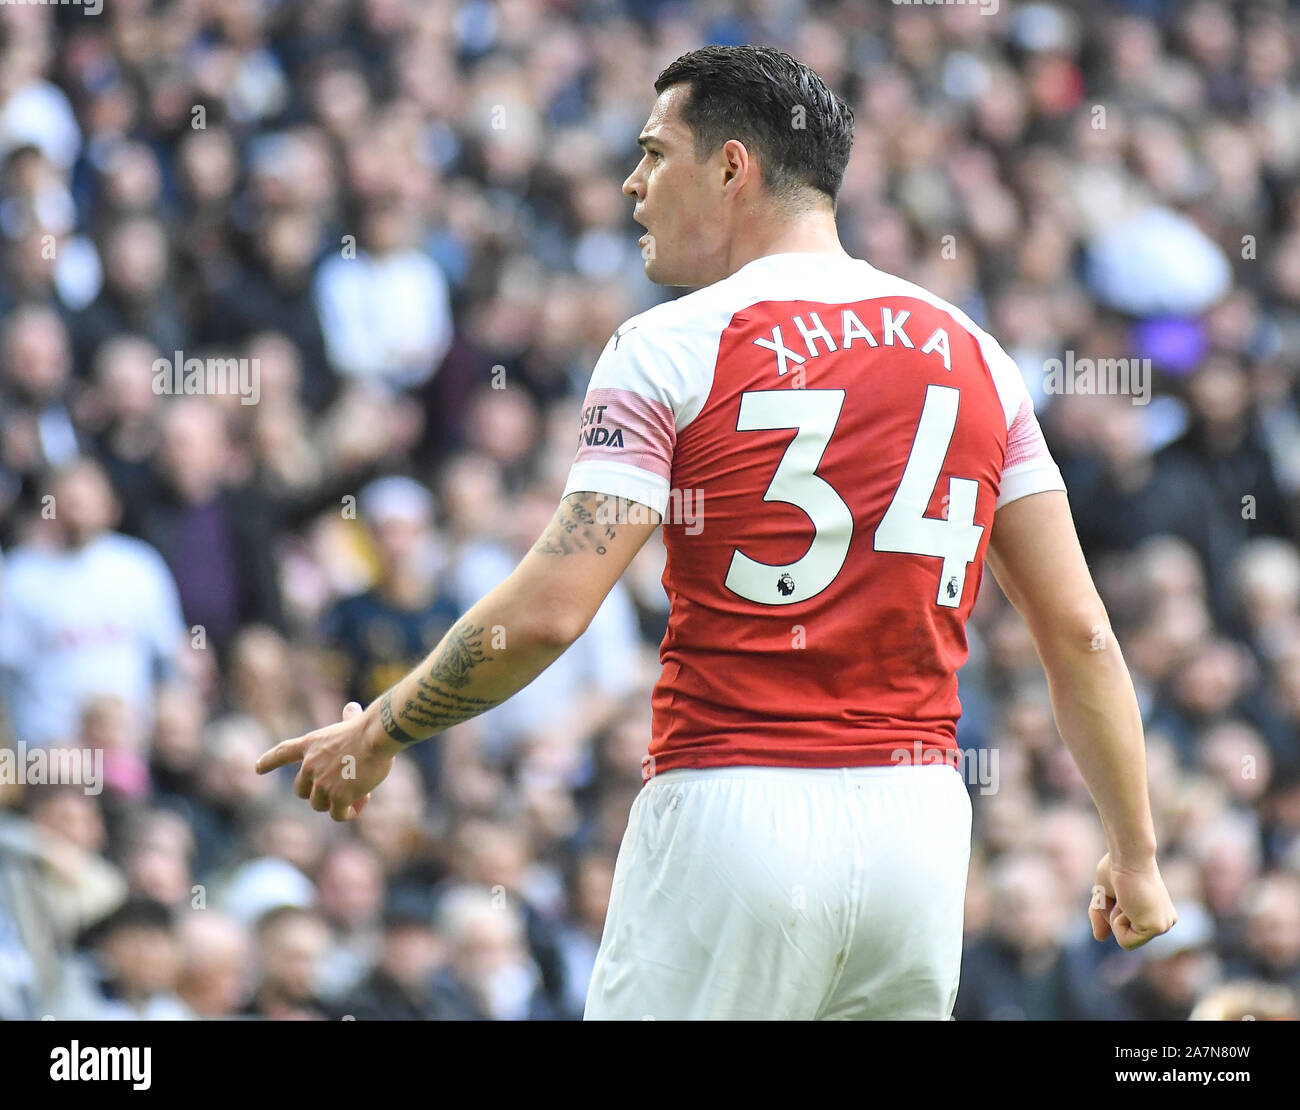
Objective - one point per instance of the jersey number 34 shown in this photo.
(904, 528)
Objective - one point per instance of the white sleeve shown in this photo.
(643, 390)
(1028, 466)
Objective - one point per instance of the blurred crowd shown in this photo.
(405, 216)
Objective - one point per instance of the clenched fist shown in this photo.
(1130, 904)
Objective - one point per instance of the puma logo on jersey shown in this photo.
(892, 331)
(619, 335)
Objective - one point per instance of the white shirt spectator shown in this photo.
(102, 619)
(385, 318)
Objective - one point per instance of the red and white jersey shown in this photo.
(827, 444)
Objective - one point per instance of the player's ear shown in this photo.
(736, 163)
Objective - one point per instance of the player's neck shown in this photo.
(812, 233)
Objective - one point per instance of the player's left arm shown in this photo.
(505, 641)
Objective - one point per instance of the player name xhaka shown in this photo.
(849, 329)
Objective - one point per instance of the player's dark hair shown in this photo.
(780, 109)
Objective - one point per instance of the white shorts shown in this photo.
(787, 893)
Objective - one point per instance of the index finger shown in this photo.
(287, 751)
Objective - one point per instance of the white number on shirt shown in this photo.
(904, 528)
(813, 413)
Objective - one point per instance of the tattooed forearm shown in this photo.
(435, 705)
(470, 671)
(581, 523)
(392, 729)
(459, 655)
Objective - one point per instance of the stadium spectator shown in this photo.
(490, 975)
(1016, 974)
(1173, 975)
(138, 964)
(1270, 950)
(350, 882)
(292, 945)
(383, 303)
(39, 431)
(378, 635)
(213, 534)
(400, 985)
(64, 636)
(216, 960)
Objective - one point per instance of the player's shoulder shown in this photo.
(695, 317)
(670, 349)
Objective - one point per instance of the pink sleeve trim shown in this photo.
(621, 425)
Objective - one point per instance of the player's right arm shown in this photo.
(1034, 553)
